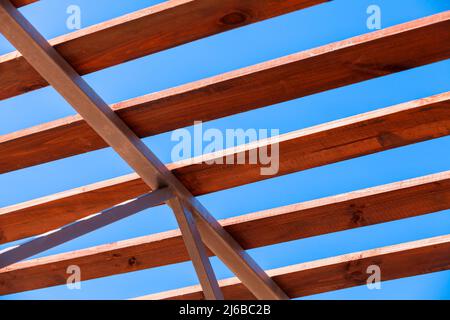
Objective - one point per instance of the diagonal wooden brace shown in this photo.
(58, 73)
(196, 250)
(84, 226)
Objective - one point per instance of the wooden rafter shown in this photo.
(339, 140)
(196, 250)
(141, 33)
(58, 72)
(21, 3)
(335, 65)
(350, 270)
(360, 208)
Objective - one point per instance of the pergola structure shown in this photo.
(61, 63)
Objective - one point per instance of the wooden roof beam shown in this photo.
(364, 57)
(346, 271)
(141, 33)
(21, 3)
(360, 208)
(339, 140)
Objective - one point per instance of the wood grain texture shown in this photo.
(350, 61)
(141, 33)
(356, 136)
(337, 213)
(350, 270)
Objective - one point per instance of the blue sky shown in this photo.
(246, 46)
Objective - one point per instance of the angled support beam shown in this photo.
(196, 250)
(82, 227)
(60, 74)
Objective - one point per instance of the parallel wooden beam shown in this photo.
(356, 136)
(350, 270)
(337, 213)
(196, 251)
(335, 65)
(141, 33)
(67, 82)
(82, 227)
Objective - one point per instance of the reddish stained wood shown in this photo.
(141, 33)
(350, 270)
(356, 209)
(21, 3)
(344, 139)
(350, 61)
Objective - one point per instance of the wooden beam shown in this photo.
(331, 66)
(21, 3)
(196, 251)
(344, 139)
(361, 208)
(82, 227)
(64, 79)
(141, 33)
(350, 270)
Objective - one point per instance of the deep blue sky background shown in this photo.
(246, 46)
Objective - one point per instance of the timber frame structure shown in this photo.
(61, 217)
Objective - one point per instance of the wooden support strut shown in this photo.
(196, 250)
(57, 71)
(84, 226)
